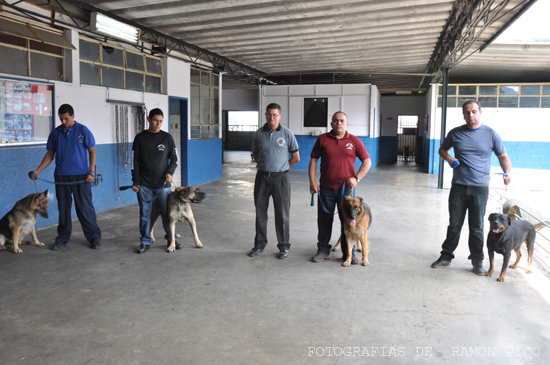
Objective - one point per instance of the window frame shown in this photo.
(200, 130)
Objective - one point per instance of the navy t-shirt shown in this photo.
(473, 147)
(70, 147)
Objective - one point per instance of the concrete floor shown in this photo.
(216, 305)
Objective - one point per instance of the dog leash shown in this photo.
(340, 201)
(126, 187)
(33, 174)
(457, 161)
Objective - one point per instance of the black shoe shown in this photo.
(283, 254)
(95, 243)
(178, 245)
(255, 252)
(142, 248)
(441, 262)
(58, 245)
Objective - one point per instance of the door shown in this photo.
(179, 128)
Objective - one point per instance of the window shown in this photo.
(205, 105)
(25, 111)
(498, 96)
(242, 121)
(102, 64)
(315, 112)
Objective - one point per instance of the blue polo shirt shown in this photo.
(70, 148)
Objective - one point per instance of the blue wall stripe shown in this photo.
(205, 160)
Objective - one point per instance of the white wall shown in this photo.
(392, 106)
(240, 99)
(354, 100)
(376, 112)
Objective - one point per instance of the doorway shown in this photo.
(179, 128)
(407, 130)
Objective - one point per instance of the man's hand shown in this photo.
(313, 187)
(89, 178)
(135, 189)
(169, 178)
(33, 175)
(351, 183)
(507, 179)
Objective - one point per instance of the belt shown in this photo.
(272, 174)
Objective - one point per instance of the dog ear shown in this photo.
(491, 216)
(184, 191)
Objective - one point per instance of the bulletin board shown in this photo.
(25, 111)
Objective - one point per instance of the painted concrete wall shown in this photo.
(93, 110)
(355, 100)
(525, 132)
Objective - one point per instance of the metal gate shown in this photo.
(407, 130)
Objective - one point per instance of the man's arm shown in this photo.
(294, 158)
(91, 152)
(255, 156)
(46, 161)
(446, 156)
(365, 166)
(506, 166)
(312, 172)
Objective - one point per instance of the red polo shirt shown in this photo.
(338, 158)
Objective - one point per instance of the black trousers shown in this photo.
(276, 186)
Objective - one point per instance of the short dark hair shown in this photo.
(339, 112)
(273, 106)
(471, 102)
(154, 112)
(65, 108)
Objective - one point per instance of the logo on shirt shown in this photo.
(81, 138)
(281, 141)
(349, 146)
(161, 147)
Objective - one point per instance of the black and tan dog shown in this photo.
(19, 221)
(506, 235)
(179, 209)
(357, 218)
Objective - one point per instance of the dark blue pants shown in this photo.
(462, 199)
(82, 194)
(331, 198)
(277, 187)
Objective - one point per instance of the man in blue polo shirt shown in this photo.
(70, 143)
(270, 147)
(473, 144)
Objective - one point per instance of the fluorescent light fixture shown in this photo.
(403, 92)
(108, 26)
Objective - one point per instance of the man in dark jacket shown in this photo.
(154, 160)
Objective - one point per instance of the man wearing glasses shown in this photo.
(271, 145)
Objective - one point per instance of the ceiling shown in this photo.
(394, 44)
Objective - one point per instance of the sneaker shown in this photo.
(142, 248)
(441, 262)
(319, 256)
(255, 252)
(283, 254)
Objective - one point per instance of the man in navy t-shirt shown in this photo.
(71, 143)
(473, 144)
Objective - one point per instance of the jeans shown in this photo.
(472, 199)
(277, 187)
(145, 199)
(330, 199)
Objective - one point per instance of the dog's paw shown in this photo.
(171, 248)
(345, 264)
(500, 278)
(199, 244)
(490, 273)
(365, 263)
(18, 250)
(528, 271)
(39, 244)
(2, 247)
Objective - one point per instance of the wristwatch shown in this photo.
(358, 179)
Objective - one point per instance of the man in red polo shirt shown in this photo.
(338, 150)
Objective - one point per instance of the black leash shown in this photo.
(340, 201)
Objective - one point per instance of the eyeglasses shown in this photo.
(271, 115)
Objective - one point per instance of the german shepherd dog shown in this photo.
(357, 219)
(179, 209)
(506, 235)
(19, 221)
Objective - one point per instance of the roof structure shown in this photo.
(394, 44)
